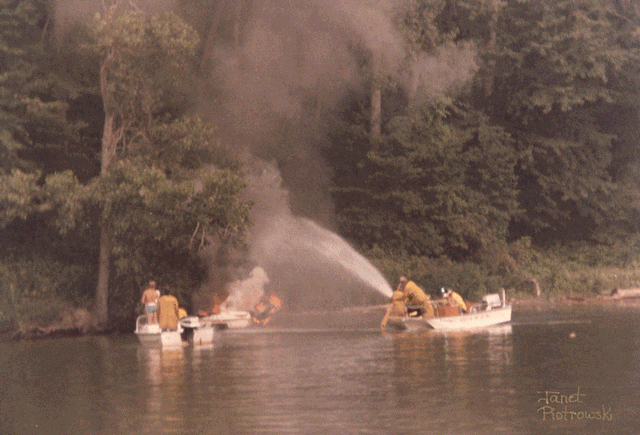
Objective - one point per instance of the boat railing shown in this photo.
(441, 308)
(447, 308)
(142, 320)
(143, 325)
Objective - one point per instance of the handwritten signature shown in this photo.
(574, 407)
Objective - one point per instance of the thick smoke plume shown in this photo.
(278, 67)
(274, 71)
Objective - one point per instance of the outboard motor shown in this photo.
(189, 324)
(491, 301)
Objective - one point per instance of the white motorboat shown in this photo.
(189, 330)
(228, 319)
(196, 332)
(152, 334)
(492, 311)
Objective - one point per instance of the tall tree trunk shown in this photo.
(491, 45)
(376, 98)
(111, 135)
(102, 289)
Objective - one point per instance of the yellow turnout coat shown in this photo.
(168, 312)
(414, 295)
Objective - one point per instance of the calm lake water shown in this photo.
(560, 371)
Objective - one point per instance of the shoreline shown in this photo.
(36, 332)
(610, 298)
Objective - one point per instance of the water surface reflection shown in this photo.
(462, 379)
(292, 380)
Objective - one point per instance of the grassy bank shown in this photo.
(41, 296)
(523, 271)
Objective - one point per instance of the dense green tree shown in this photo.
(43, 129)
(43, 106)
(442, 183)
(440, 180)
(143, 61)
(166, 185)
(558, 66)
(561, 79)
(21, 41)
(38, 98)
(44, 102)
(129, 46)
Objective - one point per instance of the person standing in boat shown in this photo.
(454, 299)
(397, 307)
(150, 300)
(168, 311)
(415, 299)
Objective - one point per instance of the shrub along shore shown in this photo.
(33, 314)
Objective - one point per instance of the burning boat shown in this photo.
(244, 303)
(228, 319)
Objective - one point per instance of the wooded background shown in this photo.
(472, 143)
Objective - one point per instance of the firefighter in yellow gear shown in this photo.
(182, 313)
(396, 309)
(168, 311)
(417, 301)
(454, 299)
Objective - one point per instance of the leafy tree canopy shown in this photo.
(442, 183)
(168, 187)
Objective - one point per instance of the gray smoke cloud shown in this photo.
(309, 266)
(273, 73)
(279, 68)
(432, 75)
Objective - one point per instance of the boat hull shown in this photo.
(202, 336)
(162, 339)
(228, 320)
(480, 319)
(189, 330)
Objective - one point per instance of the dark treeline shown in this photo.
(540, 143)
(537, 149)
(497, 142)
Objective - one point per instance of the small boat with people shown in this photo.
(412, 309)
(492, 311)
(189, 330)
(166, 324)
